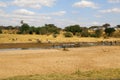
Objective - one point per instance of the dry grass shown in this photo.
(31, 62)
(11, 38)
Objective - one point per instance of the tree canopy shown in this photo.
(73, 28)
(109, 31)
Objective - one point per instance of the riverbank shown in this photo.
(56, 45)
(49, 61)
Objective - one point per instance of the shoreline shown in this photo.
(57, 45)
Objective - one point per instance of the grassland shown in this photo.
(108, 74)
(101, 62)
(15, 38)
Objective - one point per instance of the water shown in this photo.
(10, 49)
(66, 45)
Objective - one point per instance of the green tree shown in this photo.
(107, 25)
(37, 30)
(48, 29)
(24, 29)
(98, 33)
(118, 26)
(94, 27)
(51, 28)
(109, 31)
(32, 30)
(73, 28)
(0, 30)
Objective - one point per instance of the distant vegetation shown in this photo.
(69, 31)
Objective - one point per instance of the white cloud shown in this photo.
(113, 10)
(98, 16)
(1, 11)
(33, 3)
(23, 12)
(32, 18)
(2, 4)
(83, 4)
(59, 13)
(96, 23)
(114, 1)
(14, 19)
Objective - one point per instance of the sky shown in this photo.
(62, 13)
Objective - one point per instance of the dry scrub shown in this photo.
(15, 38)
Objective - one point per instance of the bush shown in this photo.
(0, 31)
(85, 34)
(116, 34)
(54, 35)
(68, 34)
(93, 35)
(78, 34)
(30, 32)
(98, 32)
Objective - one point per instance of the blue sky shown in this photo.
(60, 12)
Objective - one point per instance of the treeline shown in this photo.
(46, 29)
(94, 31)
(69, 31)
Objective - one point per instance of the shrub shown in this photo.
(68, 34)
(98, 32)
(78, 34)
(93, 35)
(54, 35)
(85, 34)
(0, 31)
(116, 34)
(30, 32)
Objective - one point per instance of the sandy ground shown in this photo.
(28, 62)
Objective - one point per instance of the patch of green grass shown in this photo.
(99, 74)
(109, 74)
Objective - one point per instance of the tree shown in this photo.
(48, 29)
(98, 33)
(109, 31)
(24, 29)
(94, 27)
(37, 30)
(32, 30)
(107, 25)
(73, 28)
(22, 22)
(118, 26)
(51, 28)
(85, 32)
(0, 30)
(10, 27)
